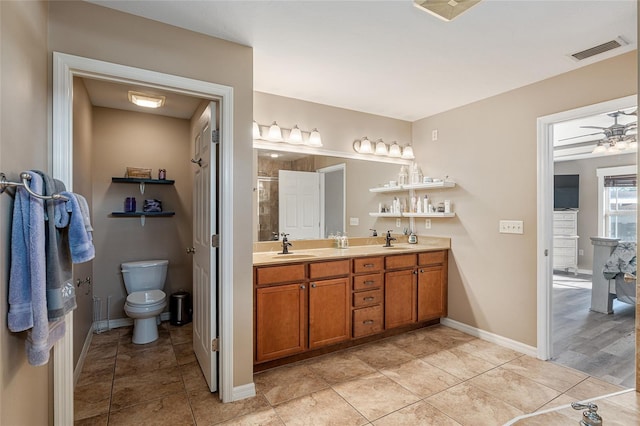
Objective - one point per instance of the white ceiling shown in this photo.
(392, 59)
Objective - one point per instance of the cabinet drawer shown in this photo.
(564, 251)
(329, 269)
(367, 321)
(367, 264)
(565, 242)
(400, 261)
(564, 216)
(280, 274)
(366, 298)
(431, 258)
(367, 282)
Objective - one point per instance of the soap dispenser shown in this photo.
(413, 238)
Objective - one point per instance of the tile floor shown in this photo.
(433, 376)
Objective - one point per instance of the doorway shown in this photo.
(66, 67)
(545, 213)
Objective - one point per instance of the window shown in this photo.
(619, 206)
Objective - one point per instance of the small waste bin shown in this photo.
(180, 308)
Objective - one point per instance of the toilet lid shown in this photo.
(146, 297)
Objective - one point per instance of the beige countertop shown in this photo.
(267, 253)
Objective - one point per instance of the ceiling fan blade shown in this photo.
(581, 136)
(593, 127)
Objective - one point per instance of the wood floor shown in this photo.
(600, 345)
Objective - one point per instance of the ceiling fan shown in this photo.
(615, 136)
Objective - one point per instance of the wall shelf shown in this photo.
(428, 214)
(387, 189)
(138, 214)
(428, 185)
(140, 180)
(385, 214)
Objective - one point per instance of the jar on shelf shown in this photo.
(416, 174)
(403, 176)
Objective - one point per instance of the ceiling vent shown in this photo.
(446, 10)
(596, 50)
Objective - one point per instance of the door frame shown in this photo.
(323, 193)
(545, 210)
(65, 67)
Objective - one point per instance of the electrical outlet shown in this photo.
(434, 135)
(427, 223)
(354, 221)
(511, 227)
(580, 252)
(398, 223)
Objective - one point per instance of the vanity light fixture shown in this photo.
(275, 133)
(407, 153)
(295, 136)
(394, 150)
(381, 148)
(146, 101)
(315, 139)
(256, 130)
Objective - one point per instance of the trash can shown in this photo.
(180, 308)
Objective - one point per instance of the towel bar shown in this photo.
(4, 183)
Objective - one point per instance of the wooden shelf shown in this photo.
(146, 214)
(140, 180)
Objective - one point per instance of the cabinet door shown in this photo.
(431, 293)
(400, 298)
(329, 312)
(280, 321)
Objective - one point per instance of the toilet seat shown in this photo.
(146, 298)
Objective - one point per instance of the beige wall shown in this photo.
(588, 212)
(489, 149)
(25, 391)
(124, 139)
(84, 29)
(82, 167)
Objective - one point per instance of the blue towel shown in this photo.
(27, 276)
(80, 244)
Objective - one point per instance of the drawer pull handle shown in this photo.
(369, 282)
(367, 299)
(368, 322)
(368, 265)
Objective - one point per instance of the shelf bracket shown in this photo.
(141, 187)
(142, 220)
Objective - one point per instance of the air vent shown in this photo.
(596, 50)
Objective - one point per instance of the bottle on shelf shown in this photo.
(403, 176)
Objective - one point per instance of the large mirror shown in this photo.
(288, 199)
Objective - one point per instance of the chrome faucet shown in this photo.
(389, 238)
(590, 417)
(285, 243)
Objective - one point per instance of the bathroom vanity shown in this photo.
(318, 299)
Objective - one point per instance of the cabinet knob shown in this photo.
(422, 271)
(415, 272)
(302, 287)
(313, 285)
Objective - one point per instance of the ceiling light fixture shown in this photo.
(443, 9)
(145, 101)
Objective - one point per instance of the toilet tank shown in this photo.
(144, 275)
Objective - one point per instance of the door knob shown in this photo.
(191, 250)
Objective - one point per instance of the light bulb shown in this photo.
(381, 148)
(407, 153)
(275, 134)
(256, 130)
(314, 138)
(296, 135)
(394, 150)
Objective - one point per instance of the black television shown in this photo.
(566, 191)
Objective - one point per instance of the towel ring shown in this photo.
(26, 177)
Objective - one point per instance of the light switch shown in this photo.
(511, 227)
(354, 221)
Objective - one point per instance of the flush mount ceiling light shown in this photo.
(447, 10)
(146, 101)
(294, 136)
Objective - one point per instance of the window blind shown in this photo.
(620, 181)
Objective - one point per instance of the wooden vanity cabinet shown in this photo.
(432, 288)
(400, 290)
(329, 303)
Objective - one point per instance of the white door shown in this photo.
(299, 204)
(205, 273)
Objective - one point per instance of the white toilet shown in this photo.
(144, 281)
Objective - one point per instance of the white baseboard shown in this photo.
(243, 391)
(83, 356)
(585, 271)
(490, 337)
